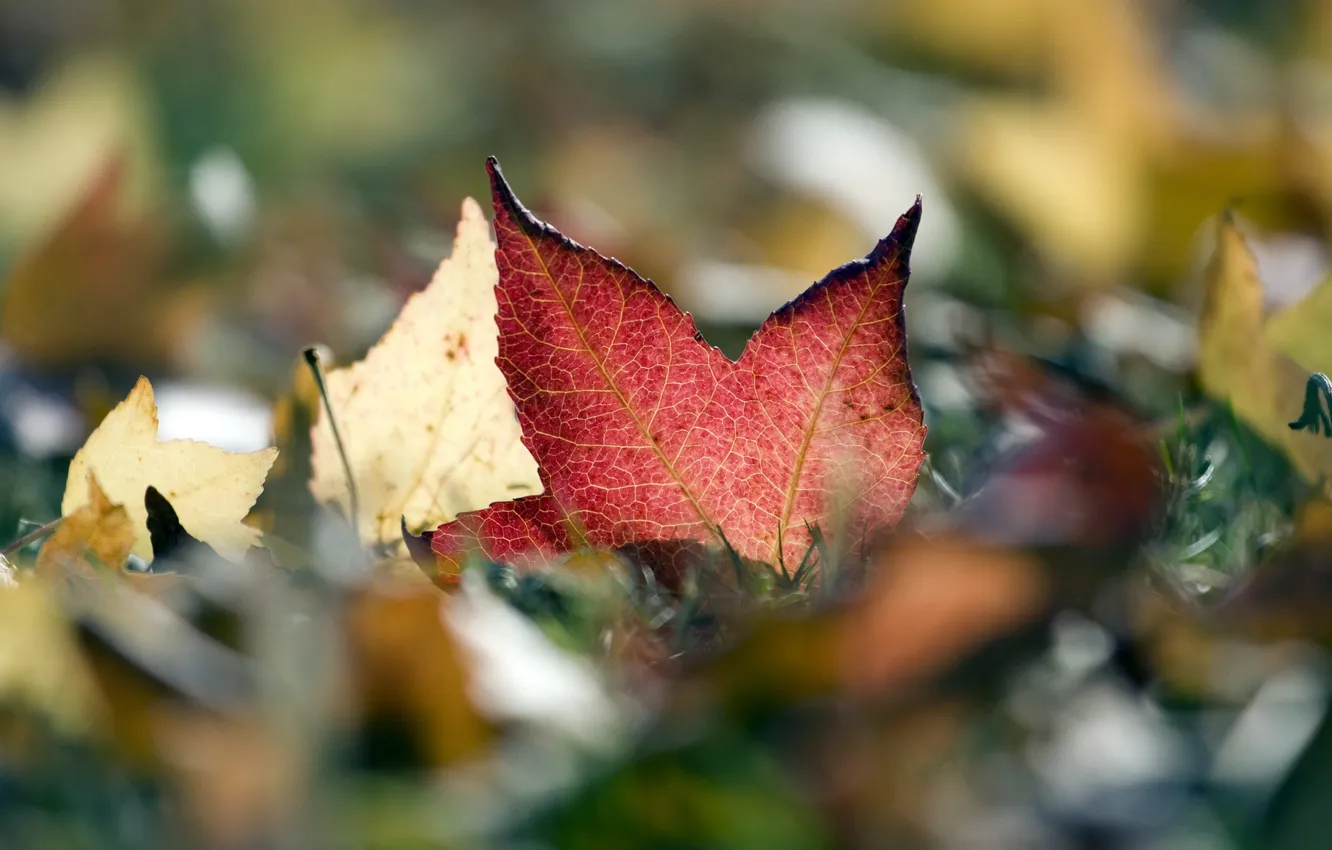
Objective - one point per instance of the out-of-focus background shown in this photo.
(196, 190)
(199, 189)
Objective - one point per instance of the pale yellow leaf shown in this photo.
(212, 490)
(1236, 362)
(1301, 330)
(429, 429)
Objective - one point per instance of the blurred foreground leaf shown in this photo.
(41, 669)
(409, 679)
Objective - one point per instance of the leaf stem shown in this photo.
(39, 531)
(311, 355)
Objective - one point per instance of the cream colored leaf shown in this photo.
(1237, 363)
(429, 429)
(212, 490)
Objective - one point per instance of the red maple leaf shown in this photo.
(644, 432)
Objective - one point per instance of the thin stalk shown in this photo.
(40, 531)
(311, 355)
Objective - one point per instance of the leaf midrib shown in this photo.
(811, 428)
(624, 401)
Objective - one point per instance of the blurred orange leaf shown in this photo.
(933, 602)
(97, 536)
(407, 671)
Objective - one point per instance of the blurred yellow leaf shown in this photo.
(1004, 37)
(427, 422)
(1098, 57)
(212, 490)
(407, 670)
(1075, 192)
(54, 142)
(98, 528)
(91, 288)
(802, 236)
(1301, 330)
(40, 665)
(1237, 362)
(1194, 178)
(1110, 168)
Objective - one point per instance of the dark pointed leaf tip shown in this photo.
(418, 546)
(503, 197)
